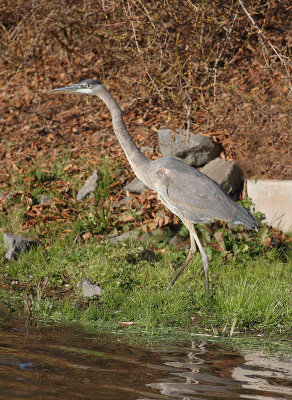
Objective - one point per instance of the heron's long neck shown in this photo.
(137, 160)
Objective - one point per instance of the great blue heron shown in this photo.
(189, 194)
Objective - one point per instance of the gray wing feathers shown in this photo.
(189, 193)
(243, 216)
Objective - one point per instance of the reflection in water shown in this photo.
(68, 363)
(265, 374)
(207, 371)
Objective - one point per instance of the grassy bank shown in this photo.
(246, 292)
(250, 272)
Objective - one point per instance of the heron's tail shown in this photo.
(244, 217)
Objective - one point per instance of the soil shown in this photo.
(251, 122)
(247, 111)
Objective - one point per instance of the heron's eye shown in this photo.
(86, 85)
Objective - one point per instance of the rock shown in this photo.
(180, 242)
(126, 200)
(193, 149)
(273, 198)
(160, 235)
(113, 233)
(125, 236)
(44, 199)
(8, 195)
(16, 245)
(89, 289)
(146, 149)
(145, 237)
(226, 173)
(88, 187)
(135, 186)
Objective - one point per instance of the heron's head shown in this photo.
(88, 86)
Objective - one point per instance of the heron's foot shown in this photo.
(171, 284)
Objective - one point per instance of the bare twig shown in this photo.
(141, 55)
(36, 39)
(264, 40)
(219, 55)
(195, 7)
(188, 113)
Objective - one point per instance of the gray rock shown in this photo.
(146, 149)
(195, 150)
(135, 186)
(44, 199)
(88, 187)
(125, 236)
(126, 200)
(16, 245)
(7, 196)
(179, 242)
(226, 173)
(89, 289)
(160, 235)
(145, 237)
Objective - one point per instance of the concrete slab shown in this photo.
(274, 199)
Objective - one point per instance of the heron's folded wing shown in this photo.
(192, 193)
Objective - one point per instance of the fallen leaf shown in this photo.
(126, 323)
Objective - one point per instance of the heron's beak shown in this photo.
(66, 89)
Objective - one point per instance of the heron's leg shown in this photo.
(204, 257)
(194, 238)
(187, 260)
(190, 255)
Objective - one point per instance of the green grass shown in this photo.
(250, 294)
(250, 276)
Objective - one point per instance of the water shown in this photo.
(42, 363)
